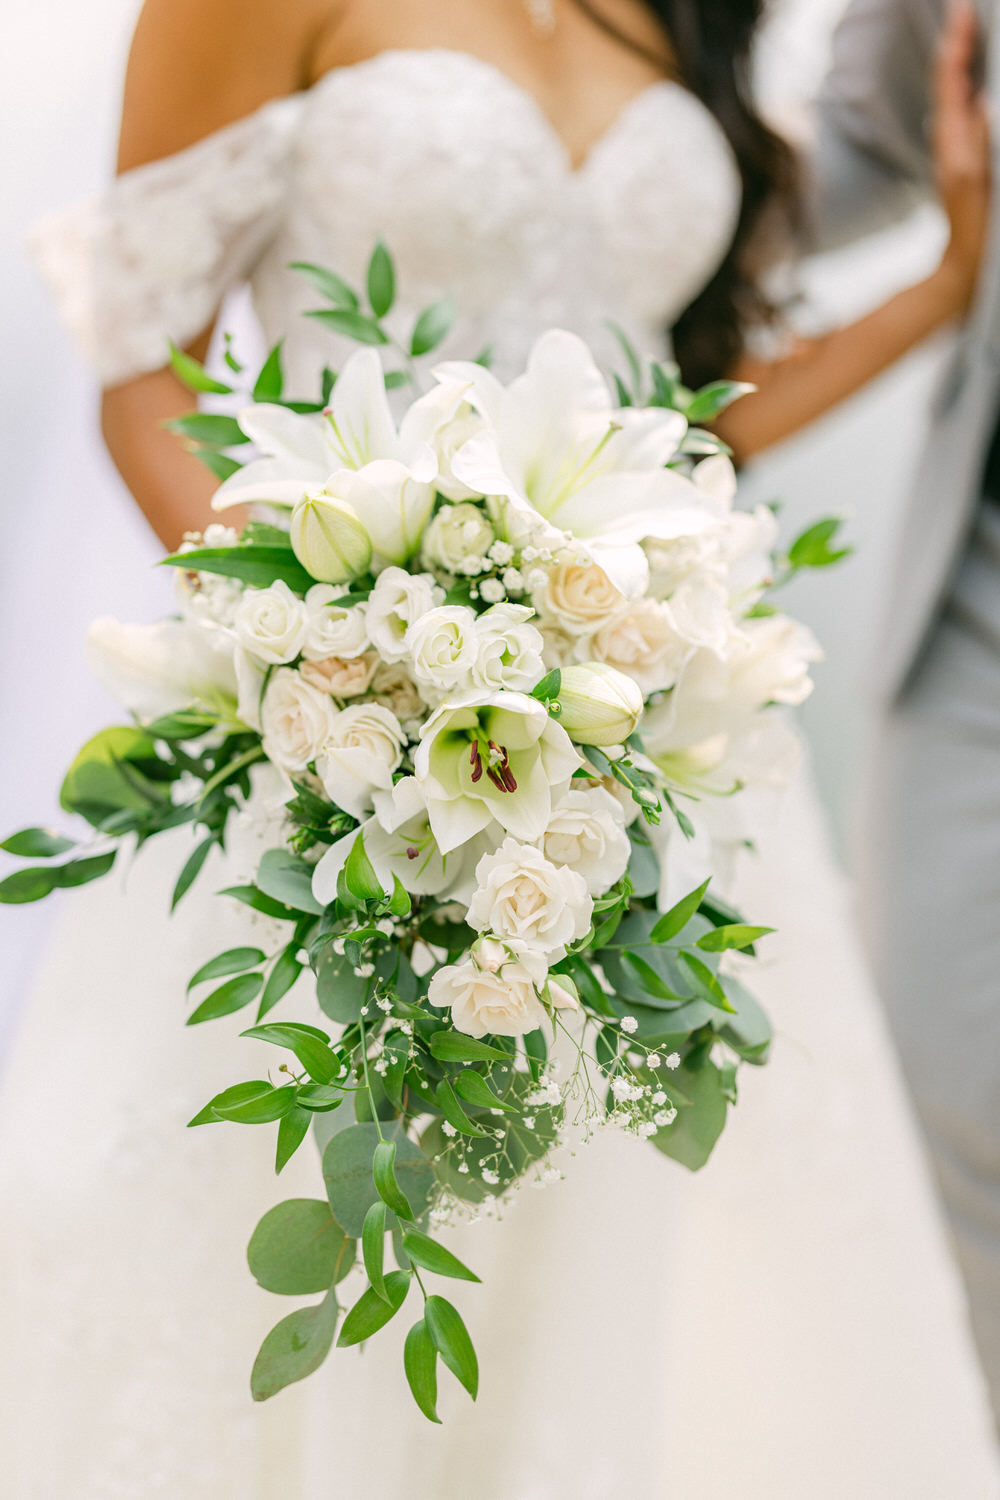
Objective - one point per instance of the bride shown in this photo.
(786, 1325)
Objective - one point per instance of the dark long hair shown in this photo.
(711, 42)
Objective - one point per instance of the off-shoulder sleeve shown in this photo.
(151, 259)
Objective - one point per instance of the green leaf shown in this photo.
(677, 918)
(37, 843)
(256, 1109)
(271, 380)
(283, 975)
(347, 1171)
(319, 1061)
(250, 896)
(643, 868)
(192, 373)
(454, 1046)
(294, 1348)
(381, 281)
(631, 358)
(287, 878)
(229, 997)
(549, 686)
(234, 1095)
(473, 1088)
(700, 1121)
(292, 1131)
(28, 885)
(209, 427)
(451, 1340)
(371, 1312)
(447, 1102)
(258, 566)
(352, 325)
(384, 1177)
(713, 399)
(327, 283)
(340, 991)
(359, 873)
(420, 1364)
(649, 981)
(748, 1030)
(217, 463)
(708, 985)
(233, 961)
(734, 935)
(320, 1098)
(188, 725)
(813, 550)
(106, 777)
(373, 1248)
(434, 1257)
(192, 869)
(399, 902)
(433, 326)
(297, 1248)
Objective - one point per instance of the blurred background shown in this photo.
(74, 546)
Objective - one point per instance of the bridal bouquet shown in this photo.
(499, 674)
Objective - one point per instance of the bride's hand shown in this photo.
(961, 142)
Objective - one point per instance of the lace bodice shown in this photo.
(460, 172)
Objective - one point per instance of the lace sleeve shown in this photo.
(151, 259)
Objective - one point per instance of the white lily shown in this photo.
(560, 451)
(399, 841)
(492, 758)
(392, 470)
(162, 668)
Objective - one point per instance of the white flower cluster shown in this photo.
(491, 535)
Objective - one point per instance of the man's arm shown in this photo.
(871, 163)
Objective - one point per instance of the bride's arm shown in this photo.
(795, 390)
(195, 66)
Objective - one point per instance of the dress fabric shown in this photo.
(787, 1323)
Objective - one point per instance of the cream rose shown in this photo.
(394, 688)
(271, 623)
(295, 720)
(364, 745)
(524, 897)
(341, 677)
(587, 832)
(644, 644)
(578, 597)
(332, 629)
(493, 992)
(397, 600)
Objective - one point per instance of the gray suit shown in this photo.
(931, 842)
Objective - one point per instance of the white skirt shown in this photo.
(785, 1325)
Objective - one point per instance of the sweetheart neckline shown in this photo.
(572, 169)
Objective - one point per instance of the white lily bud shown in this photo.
(598, 704)
(328, 538)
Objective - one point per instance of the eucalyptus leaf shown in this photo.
(298, 1248)
(294, 1348)
(287, 878)
(350, 1187)
(699, 1123)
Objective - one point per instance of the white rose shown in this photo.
(523, 896)
(509, 649)
(559, 648)
(271, 623)
(442, 647)
(644, 644)
(398, 599)
(587, 832)
(295, 720)
(341, 677)
(364, 745)
(496, 996)
(394, 688)
(333, 629)
(457, 534)
(578, 597)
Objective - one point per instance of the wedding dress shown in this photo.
(785, 1325)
